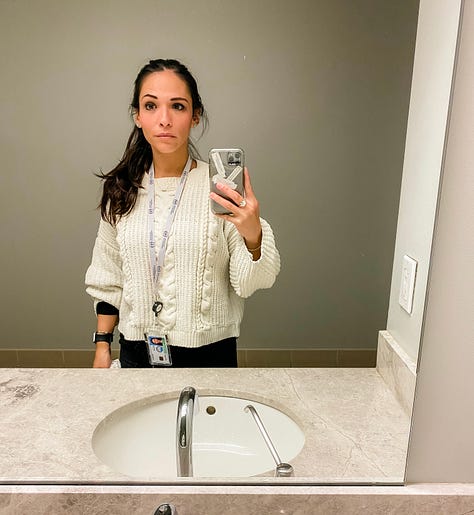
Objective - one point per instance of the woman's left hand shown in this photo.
(245, 215)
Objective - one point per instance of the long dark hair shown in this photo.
(121, 185)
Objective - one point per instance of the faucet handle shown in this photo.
(166, 509)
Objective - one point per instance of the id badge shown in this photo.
(158, 349)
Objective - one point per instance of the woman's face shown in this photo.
(165, 112)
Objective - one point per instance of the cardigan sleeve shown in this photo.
(247, 275)
(104, 277)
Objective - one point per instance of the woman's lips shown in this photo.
(165, 135)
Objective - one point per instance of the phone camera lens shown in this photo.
(233, 158)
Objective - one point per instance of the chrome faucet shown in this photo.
(184, 432)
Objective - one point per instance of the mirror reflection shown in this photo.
(316, 94)
(180, 302)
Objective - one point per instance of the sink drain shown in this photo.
(210, 410)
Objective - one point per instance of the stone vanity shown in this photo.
(355, 431)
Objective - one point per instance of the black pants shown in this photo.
(221, 354)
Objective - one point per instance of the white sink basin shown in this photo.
(138, 440)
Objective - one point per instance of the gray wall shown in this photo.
(441, 446)
(315, 91)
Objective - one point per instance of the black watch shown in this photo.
(102, 337)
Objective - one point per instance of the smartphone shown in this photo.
(226, 165)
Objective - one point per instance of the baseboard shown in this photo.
(48, 358)
(302, 358)
(249, 358)
(397, 369)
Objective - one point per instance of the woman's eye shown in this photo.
(178, 106)
(149, 106)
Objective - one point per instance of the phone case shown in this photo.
(226, 165)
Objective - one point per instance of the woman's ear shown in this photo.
(136, 120)
(196, 118)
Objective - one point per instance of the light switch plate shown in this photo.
(407, 286)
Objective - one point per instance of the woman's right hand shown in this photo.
(102, 358)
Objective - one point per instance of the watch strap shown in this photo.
(102, 337)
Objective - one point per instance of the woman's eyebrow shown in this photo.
(182, 99)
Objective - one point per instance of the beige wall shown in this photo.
(315, 91)
(438, 21)
(441, 445)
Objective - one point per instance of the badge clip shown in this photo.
(157, 307)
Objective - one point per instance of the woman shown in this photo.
(170, 273)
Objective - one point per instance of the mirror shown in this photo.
(323, 113)
(317, 94)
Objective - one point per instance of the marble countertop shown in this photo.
(355, 430)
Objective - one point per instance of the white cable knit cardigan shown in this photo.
(208, 270)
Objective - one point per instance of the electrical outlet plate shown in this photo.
(407, 286)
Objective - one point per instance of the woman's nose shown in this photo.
(165, 118)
